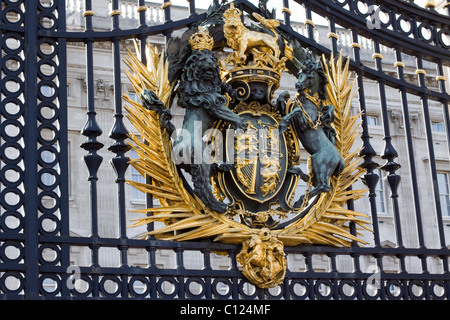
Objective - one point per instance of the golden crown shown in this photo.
(232, 13)
(201, 40)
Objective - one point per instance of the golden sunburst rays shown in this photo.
(184, 215)
(340, 94)
(152, 144)
(327, 222)
(152, 76)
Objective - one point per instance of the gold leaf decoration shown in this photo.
(153, 144)
(184, 215)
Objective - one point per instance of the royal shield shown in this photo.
(259, 157)
(260, 160)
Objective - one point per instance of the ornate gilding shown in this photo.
(263, 259)
(247, 196)
(201, 40)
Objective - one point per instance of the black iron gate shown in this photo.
(35, 239)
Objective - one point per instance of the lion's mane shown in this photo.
(194, 91)
(233, 33)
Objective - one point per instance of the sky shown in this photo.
(204, 4)
(298, 12)
(298, 15)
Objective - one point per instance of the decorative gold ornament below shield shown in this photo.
(263, 259)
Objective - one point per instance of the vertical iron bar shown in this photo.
(389, 153)
(441, 80)
(31, 169)
(332, 35)
(119, 134)
(167, 17)
(370, 178)
(350, 204)
(287, 13)
(92, 130)
(142, 24)
(421, 74)
(180, 268)
(414, 31)
(260, 293)
(207, 268)
(63, 142)
(309, 22)
(357, 271)
(192, 12)
(142, 9)
(411, 156)
(309, 270)
(143, 43)
(334, 270)
(409, 142)
(379, 258)
(287, 294)
(235, 281)
(424, 98)
(152, 270)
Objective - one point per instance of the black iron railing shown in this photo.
(35, 238)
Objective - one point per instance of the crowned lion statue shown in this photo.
(202, 93)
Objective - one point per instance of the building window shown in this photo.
(302, 185)
(134, 96)
(437, 127)
(372, 120)
(380, 192)
(137, 177)
(444, 193)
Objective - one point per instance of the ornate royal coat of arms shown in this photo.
(231, 172)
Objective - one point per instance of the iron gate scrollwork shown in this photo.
(36, 240)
